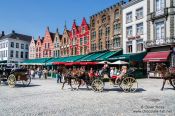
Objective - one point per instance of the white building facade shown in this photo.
(32, 49)
(14, 48)
(161, 34)
(134, 26)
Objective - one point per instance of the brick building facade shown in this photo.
(106, 29)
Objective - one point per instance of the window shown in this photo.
(81, 50)
(93, 35)
(116, 42)
(83, 30)
(93, 46)
(26, 55)
(129, 31)
(139, 29)
(100, 33)
(116, 28)
(17, 54)
(55, 45)
(75, 51)
(27, 47)
(85, 49)
(107, 33)
(58, 45)
(129, 46)
(22, 55)
(48, 45)
(129, 17)
(139, 13)
(45, 45)
(159, 6)
(117, 14)
(160, 30)
(17, 45)
(81, 41)
(56, 39)
(107, 44)
(22, 46)
(100, 45)
(85, 40)
(103, 19)
(11, 53)
(12, 44)
(139, 45)
(64, 40)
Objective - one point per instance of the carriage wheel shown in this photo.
(129, 84)
(27, 81)
(97, 85)
(173, 82)
(11, 80)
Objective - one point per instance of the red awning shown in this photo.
(59, 63)
(157, 56)
(72, 63)
(88, 63)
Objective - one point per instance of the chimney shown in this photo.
(2, 33)
(13, 31)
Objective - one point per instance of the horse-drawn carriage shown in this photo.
(127, 82)
(11, 76)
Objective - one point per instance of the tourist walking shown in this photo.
(39, 73)
(45, 71)
(32, 73)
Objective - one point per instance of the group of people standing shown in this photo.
(44, 73)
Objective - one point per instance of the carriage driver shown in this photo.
(106, 69)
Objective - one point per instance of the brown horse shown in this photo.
(165, 73)
(83, 76)
(67, 76)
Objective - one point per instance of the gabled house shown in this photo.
(84, 38)
(39, 48)
(32, 49)
(48, 45)
(57, 38)
(65, 43)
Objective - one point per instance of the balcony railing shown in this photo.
(159, 14)
(160, 42)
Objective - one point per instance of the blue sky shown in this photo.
(33, 16)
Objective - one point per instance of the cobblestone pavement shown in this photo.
(45, 98)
